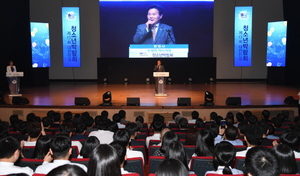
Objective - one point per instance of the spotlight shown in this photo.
(169, 81)
(106, 98)
(190, 80)
(211, 80)
(208, 99)
(125, 81)
(105, 81)
(148, 81)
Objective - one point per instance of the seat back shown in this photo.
(239, 163)
(28, 151)
(135, 165)
(240, 147)
(138, 142)
(131, 174)
(141, 149)
(298, 164)
(201, 164)
(181, 135)
(75, 152)
(152, 142)
(190, 150)
(142, 136)
(152, 149)
(154, 162)
(32, 163)
(84, 161)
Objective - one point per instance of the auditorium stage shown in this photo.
(60, 95)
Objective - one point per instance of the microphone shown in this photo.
(150, 27)
(169, 34)
(168, 30)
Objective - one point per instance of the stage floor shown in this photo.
(63, 93)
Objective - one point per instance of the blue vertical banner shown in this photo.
(71, 36)
(243, 36)
(276, 44)
(40, 44)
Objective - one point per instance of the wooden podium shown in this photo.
(13, 79)
(161, 83)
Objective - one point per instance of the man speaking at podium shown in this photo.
(158, 68)
(154, 32)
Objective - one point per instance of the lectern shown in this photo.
(161, 83)
(13, 79)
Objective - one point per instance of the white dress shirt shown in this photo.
(134, 154)
(104, 136)
(155, 136)
(9, 168)
(27, 143)
(46, 167)
(243, 152)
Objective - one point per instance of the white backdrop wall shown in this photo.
(263, 12)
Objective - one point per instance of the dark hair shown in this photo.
(104, 113)
(229, 118)
(199, 123)
(224, 155)
(47, 121)
(213, 129)
(263, 127)
(76, 120)
(231, 133)
(42, 147)
(120, 149)
(104, 161)
(177, 151)
(113, 126)
(67, 170)
(175, 114)
(277, 121)
(132, 128)
(285, 114)
(157, 7)
(88, 146)
(122, 114)
(168, 137)
(286, 159)
(204, 143)
(56, 116)
(116, 117)
(4, 128)
(60, 145)
(261, 161)
(291, 139)
(30, 117)
(253, 135)
(8, 146)
(297, 119)
(34, 129)
(247, 114)
(23, 127)
(240, 117)
(66, 129)
(213, 115)
(265, 114)
(183, 123)
(218, 119)
(157, 125)
(271, 129)
(102, 122)
(88, 121)
(80, 128)
(243, 126)
(17, 124)
(252, 120)
(13, 118)
(171, 167)
(195, 114)
(68, 116)
(122, 136)
(191, 136)
(139, 119)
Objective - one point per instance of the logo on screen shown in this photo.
(71, 16)
(243, 15)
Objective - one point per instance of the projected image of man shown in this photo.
(153, 31)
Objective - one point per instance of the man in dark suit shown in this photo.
(154, 32)
(158, 68)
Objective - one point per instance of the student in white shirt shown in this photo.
(9, 154)
(60, 151)
(157, 127)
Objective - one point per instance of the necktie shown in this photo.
(154, 32)
(12, 69)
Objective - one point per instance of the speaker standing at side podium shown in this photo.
(158, 68)
(11, 68)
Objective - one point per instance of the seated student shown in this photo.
(4, 128)
(265, 116)
(67, 170)
(157, 127)
(173, 117)
(88, 146)
(224, 156)
(103, 134)
(271, 131)
(264, 129)
(291, 139)
(67, 130)
(60, 151)
(121, 152)
(183, 125)
(261, 161)
(286, 159)
(139, 119)
(286, 115)
(231, 134)
(252, 137)
(252, 120)
(277, 122)
(229, 119)
(89, 122)
(56, 117)
(172, 167)
(68, 116)
(177, 151)
(243, 126)
(239, 118)
(133, 128)
(195, 115)
(80, 132)
(123, 137)
(204, 143)
(199, 123)
(47, 121)
(122, 114)
(42, 147)
(117, 118)
(166, 141)
(212, 116)
(9, 154)
(104, 161)
(34, 130)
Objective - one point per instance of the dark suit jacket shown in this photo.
(161, 68)
(162, 37)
